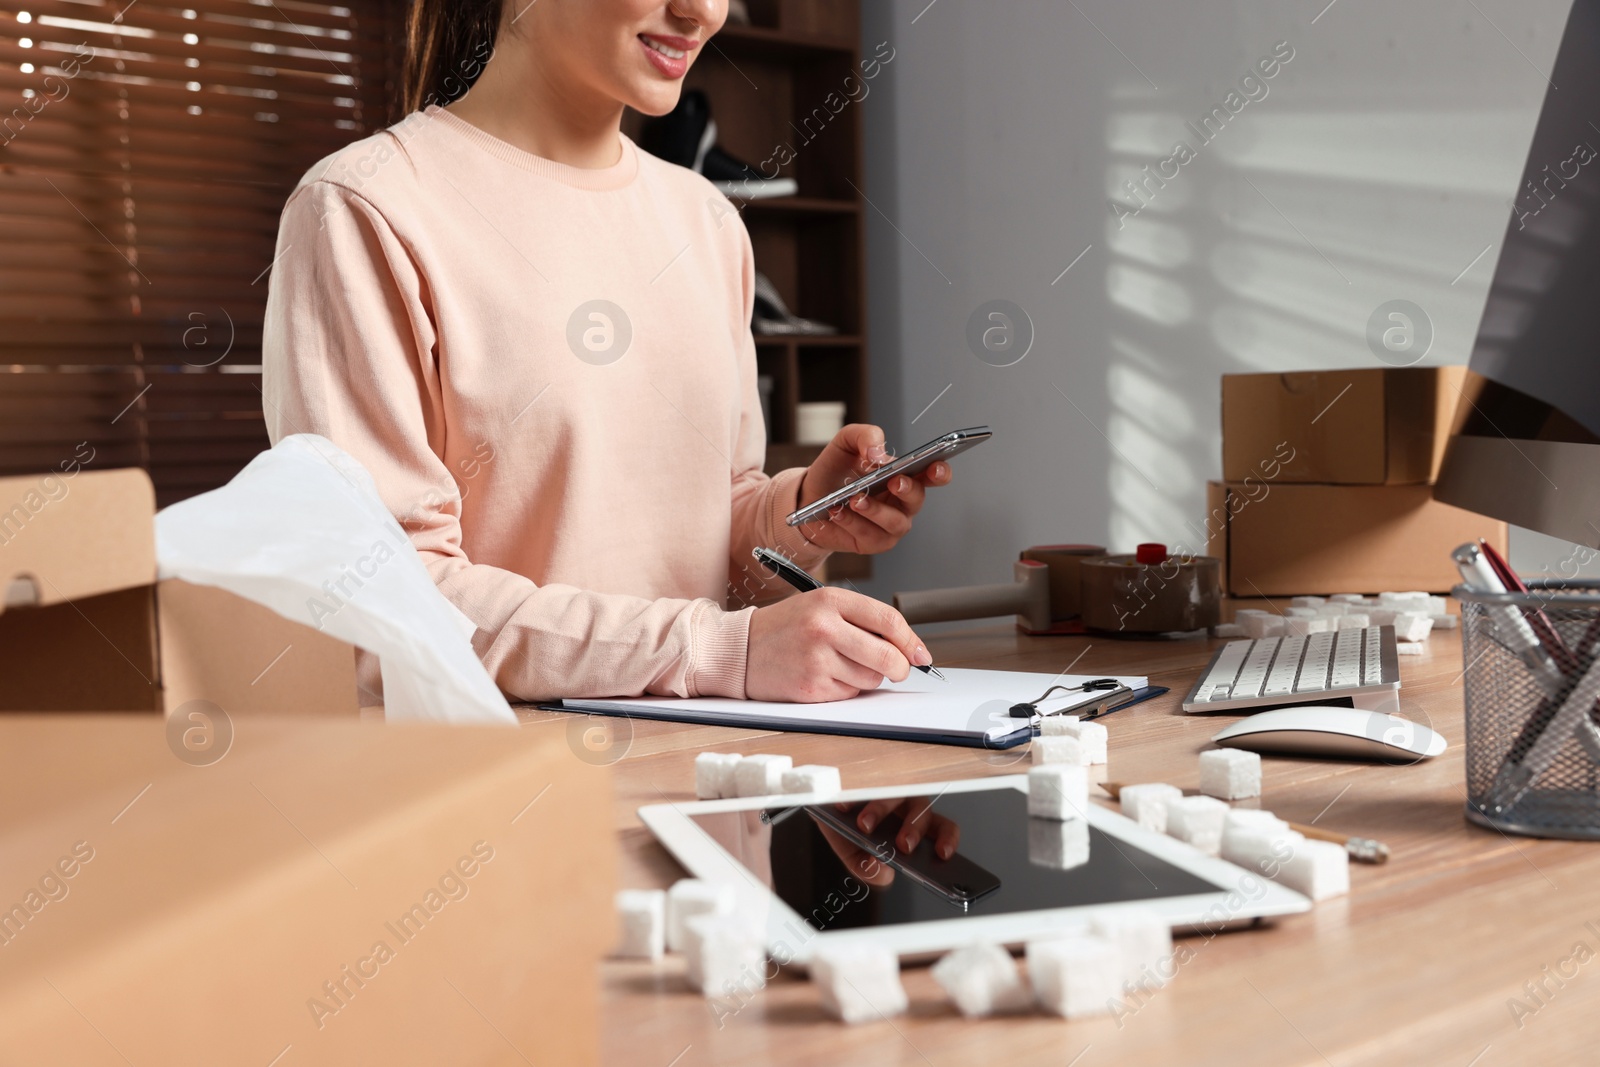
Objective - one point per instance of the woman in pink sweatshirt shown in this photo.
(537, 339)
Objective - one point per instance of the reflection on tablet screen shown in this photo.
(1005, 861)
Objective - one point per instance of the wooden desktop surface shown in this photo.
(1420, 964)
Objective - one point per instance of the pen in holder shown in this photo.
(1533, 746)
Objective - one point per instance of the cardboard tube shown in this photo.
(1028, 598)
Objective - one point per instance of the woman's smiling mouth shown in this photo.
(670, 55)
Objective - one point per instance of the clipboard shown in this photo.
(970, 709)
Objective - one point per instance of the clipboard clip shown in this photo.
(1113, 689)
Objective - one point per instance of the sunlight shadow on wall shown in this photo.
(1269, 252)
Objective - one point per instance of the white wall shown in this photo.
(1378, 166)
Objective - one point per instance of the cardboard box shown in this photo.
(1372, 426)
(1299, 540)
(84, 626)
(233, 913)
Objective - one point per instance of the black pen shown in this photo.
(785, 568)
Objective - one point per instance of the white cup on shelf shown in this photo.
(818, 421)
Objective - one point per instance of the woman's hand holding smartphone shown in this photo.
(869, 524)
(831, 644)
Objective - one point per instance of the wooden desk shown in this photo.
(1416, 966)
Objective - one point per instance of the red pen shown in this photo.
(1537, 619)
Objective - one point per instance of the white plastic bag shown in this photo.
(303, 531)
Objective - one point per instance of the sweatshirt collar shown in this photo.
(615, 176)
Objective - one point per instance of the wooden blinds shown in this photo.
(146, 150)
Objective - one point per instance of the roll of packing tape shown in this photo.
(1065, 581)
(1165, 594)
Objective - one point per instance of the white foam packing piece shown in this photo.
(642, 923)
(1259, 626)
(1319, 869)
(1348, 598)
(1058, 791)
(1308, 601)
(1244, 823)
(1093, 737)
(1334, 609)
(1144, 941)
(1300, 612)
(1228, 629)
(1146, 803)
(723, 956)
(1058, 748)
(1438, 605)
(1412, 601)
(760, 775)
(982, 979)
(1076, 976)
(1355, 620)
(1410, 648)
(1299, 625)
(1058, 726)
(1058, 844)
(1197, 820)
(1250, 819)
(1241, 612)
(811, 778)
(689, 897)
(1262, 850)
(713, 774)
(1409, 626)
(1445, 621)
(1096, 741)
(1230, 773)
(859, 983)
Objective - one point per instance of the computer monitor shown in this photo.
(1527, 442)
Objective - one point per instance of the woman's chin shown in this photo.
(654, 97)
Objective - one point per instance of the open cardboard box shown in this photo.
(1292, 540)
(1366, 426)
(326, 892)
(85, 626)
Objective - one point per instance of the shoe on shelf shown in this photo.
(740, 180)
(772, 318)
(687, 136)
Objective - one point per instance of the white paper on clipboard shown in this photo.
(971, 704)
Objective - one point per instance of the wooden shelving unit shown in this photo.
(769, 85)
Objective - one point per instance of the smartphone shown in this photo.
(958, 880)
(951, 444)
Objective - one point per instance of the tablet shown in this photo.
(1012, 880)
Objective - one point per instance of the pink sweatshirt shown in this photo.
(582, 480)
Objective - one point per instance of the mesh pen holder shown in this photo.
(1503, 694)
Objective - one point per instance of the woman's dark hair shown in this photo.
(448, 42)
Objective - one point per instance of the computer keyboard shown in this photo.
(1358, 668)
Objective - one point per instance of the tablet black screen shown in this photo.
(786, 849)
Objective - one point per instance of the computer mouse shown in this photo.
(1349, 733)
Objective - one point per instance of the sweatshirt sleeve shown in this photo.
(760, 503)
(349, 353)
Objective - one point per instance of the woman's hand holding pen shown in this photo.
(828, 644)
(870, 524)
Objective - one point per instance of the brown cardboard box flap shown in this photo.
(1289, 540)
(73, 536)
(257, 662)
(223, 913)
(1360, 426)
(90, 631)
